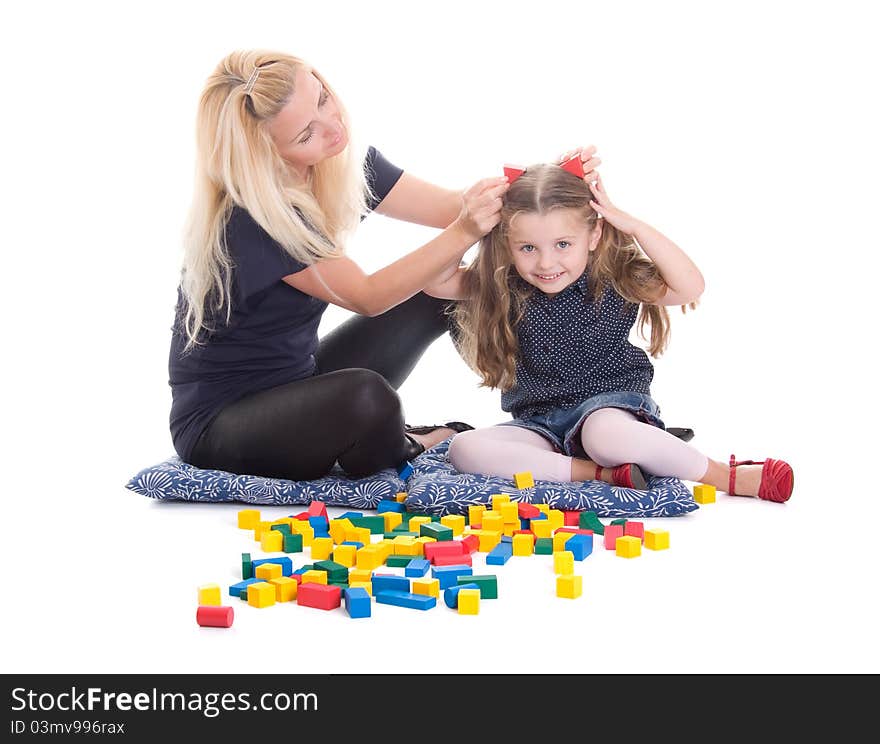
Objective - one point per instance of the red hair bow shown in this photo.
(573, 165)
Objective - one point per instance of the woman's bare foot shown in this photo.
(433, 438)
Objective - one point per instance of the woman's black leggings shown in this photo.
(348, 412)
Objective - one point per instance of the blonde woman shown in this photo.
(279, 187)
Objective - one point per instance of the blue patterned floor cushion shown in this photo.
(435, 487)
(175, 480)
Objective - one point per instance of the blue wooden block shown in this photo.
(448, 575)
(390, 505)
(391, 582)
(405, 470)
(500, 554)
(235, 590)
(357, 602)
(285, 563)
(507, 539)
(405, 599)
(450, 595)
(417, 567)
(580, 545)
(357, 544)
(348, 514)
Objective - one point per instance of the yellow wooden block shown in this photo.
(656, 539)
(628, 546)
(563, 562)
(524, 479)
(556, 519)
(543, 508)
(314, 576)
(569, 586)
(559, 540)
(248, 519)
(383, 549)
(267, 571)
(429, 587)
(468, 601)
(400, 497)
(210, 595)
(271, 541)
(261, 594)
(416, 522)
(321, 548)
(492, 520)
(345, 555)
(488, 540)
(304, 529)
(455, 522)
(541, 527)
(260, 528)
(498, 499)
(704, 493)
(509, 529)
(338, 528)
(475, 514)
(509, 513)
(368, 558)
(405, 545)
(523, 545)
(285, 588)
(359, 574)
(368, 585)
(392, 519)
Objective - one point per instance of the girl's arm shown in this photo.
(684, 280)
(420, 202)
(342, 282)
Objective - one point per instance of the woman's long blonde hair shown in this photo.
(487, 321)
(237, 163)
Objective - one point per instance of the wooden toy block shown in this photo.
(572, 518)
(417, 567)
(284, 529)
(321, 548)
(268, 571)
(541, 527)
(400, 496)
(247, 566)
(524, 480)
(543, 508)
(527, 510)
(450, 594)
(455, 522)
(388, 506)
(612, 532)
(523, 544)
(248, 519)
(500, 554)
(563, 562)
(443, 547)
(635, 529)
(357, 602)
(469, 602)
(262, 526)
(213, 616)
(492, 521)
(335, 571)
(345, 555)
(314, 576)
(470, 543)
(509, 513)
(209, 595)
(488, 540)
(475, 514)
(392, 519)
(306, 530)
(261, 594)
(292, 543)
(628, 546)
(365, 585)
(569, 586)
(621, 521)
(408, 546)
(337, 529)
(319, 596)
(320, 525)
(590, 521)
(398, 561)
(283, 561)
(391, 582)
(359, 574)
(488, 584)
(656, 539)
(498, 499)
(383, 549)
(317, 509)
(556, 518)
(559, 540)
(452, 560)
(406, 599)
(574, 531)
(271, 541)
(375, 523)
(415, 523)
(448, 575)
(580, 545)
(430, 587)
(704, 493)
(285, 588)
(544, 546)
(437, 531)
(405, 470)
(357, 534)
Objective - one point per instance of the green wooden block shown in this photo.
(588, 520)
(375, 524)
(436, 530)
(398, 561)
(284, 529)
(292, 543)
(488, 583)
(621, 522)
(335, 571)
(392, 535)
(242, 594)
(247, 566)
(544, 546)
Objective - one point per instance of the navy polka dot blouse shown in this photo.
(572, 349)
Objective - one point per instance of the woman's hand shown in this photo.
(624, 222)
(588, 158)
(481, 207)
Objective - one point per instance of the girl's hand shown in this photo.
(588, 158)
(624, 222)
(481, 207)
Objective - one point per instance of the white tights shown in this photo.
(610, 437)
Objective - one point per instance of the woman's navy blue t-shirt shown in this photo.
(273, 330)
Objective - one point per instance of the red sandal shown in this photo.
(777, 479)
(628, 475)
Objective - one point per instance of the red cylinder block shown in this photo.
(214, 617)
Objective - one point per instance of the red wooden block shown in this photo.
(636, 529)
(319, 596)
(317, 509)
(443, 547)
(214, 617)
(471, 543)
(526, 510)
(461, 559)
(571, 518)
(302, 515)
(612, 532)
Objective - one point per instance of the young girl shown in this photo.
(553, 294)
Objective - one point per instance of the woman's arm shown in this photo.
(450, 288)
(420, 202)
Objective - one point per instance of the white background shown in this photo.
(747, 132)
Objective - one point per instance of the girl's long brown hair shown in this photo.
(487, 321)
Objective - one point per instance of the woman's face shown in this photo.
(309, 128)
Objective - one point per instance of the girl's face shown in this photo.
(309, 128)
(550, 251)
